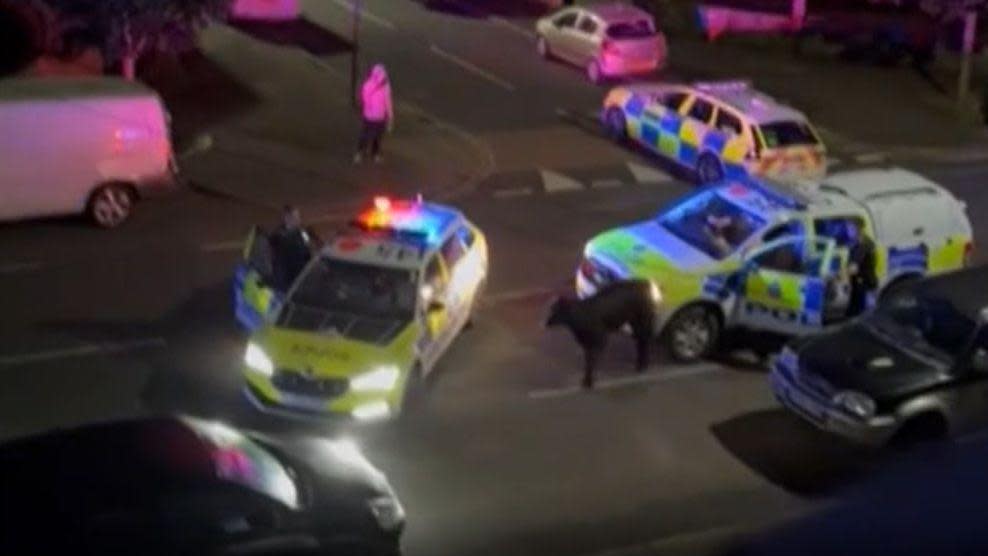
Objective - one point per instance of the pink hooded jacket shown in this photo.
(375, 95)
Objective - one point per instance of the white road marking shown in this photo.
(645, 174)
(514, 295)
(834, 162)
(609, 384)
(554, 182)
(512, 193)
(364, 14)
(12, 268)
(472, 68)
(870, 158)
(80, 351)
(606, 184)
(216, 246)
(500, 21)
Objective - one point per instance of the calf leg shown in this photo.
(590, 357)
(642, 344)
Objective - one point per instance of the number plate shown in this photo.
(304, 402)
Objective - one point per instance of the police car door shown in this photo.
(660, 122)
(433, 311)
(253, 296)
(784, 285)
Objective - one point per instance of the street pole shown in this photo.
(357, 8)
(964, 79)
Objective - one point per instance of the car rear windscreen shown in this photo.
(640, 29)
(787, 134)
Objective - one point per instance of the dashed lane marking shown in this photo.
(490, 300)
(501, 22)
(222, 246)
(606, 184)
(512, 193)
(470, 67)
(554, 182)
(870, 158)
(645, 174)
(364, 14)
(80, 351)
(610, 384)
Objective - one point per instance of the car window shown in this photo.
(728, 123)
(837, 228)
(672, 100)
(466, 236)
(452, 251)
(787, 134)
(588, 25)
(567, 19)
(701, 110)
(434, 275)
(795, 256)
(639, 29)
(711, 223)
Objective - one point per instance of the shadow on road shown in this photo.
(197, 92)
(485, 8)
(301, 33)
(793, 455)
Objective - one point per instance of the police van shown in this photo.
(784, 266)
(368, 317)
(717, 130)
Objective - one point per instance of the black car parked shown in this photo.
(177, 486)
(914, 369)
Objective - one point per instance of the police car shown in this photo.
(718, 130)
(783, 265)
(368, 317)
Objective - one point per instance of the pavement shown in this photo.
(509, 457)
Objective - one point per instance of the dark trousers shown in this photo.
(370, 137)
(859, 299)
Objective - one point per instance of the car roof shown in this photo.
(402, 236)
(35, 88)
(964, 289)
(872, 183)
(615, 12)
(755, 105)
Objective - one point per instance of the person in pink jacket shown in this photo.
(378, 114)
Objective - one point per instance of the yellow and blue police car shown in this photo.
(368, 317)
(718, 130)
(745, 254)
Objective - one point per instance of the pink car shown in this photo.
(607, 40)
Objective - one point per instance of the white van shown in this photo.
(81, 145)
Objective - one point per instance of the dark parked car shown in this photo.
(180, 486)
(915, 369)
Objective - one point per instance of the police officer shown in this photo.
(861, 266)
(291, 248)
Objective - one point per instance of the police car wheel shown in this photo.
(593, 72)
(615, 125)
(542, 47)
(692, 334)
(708, 169)
(110, 205)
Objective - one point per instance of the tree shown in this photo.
(125, 30)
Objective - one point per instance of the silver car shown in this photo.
(607, 40)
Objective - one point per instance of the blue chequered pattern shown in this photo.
(635, 106)
(715, 286)
(813, 299)
(908, 258)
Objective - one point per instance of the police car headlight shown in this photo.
(381, 379)
(655, 292)
(855, 403)
(256, 359)
(388, 512)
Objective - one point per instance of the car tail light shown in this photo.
(968, 253)
(609, 48)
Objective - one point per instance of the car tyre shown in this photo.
(594, 74)
(896, 289)
(542, 47)
(923, 430)
(615, 124)
(110, 205)
(692, 334)
(709, 169)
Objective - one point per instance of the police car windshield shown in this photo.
(361, 290)
(927, 324)
(787, 134)
(712, 224)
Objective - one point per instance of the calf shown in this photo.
(631, 303)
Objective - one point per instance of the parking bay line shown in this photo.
(610, 384)
(468, 66)
(512, 193)
(81, 351)
(366, 14)
(502, 22)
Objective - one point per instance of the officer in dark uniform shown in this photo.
(291, 248)
(861, 266)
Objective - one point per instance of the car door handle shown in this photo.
(918, 231)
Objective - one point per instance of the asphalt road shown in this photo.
(509, 456)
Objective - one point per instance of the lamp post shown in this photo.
(357, 7)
